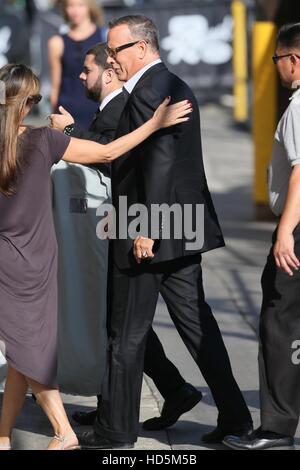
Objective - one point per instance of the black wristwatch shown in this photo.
(68, 130)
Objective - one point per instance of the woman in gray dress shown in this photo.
(28, 247)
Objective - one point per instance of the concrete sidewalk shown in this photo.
(232, 286)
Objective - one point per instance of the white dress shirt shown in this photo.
(109, 97)
(130, 84)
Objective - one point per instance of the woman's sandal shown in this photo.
(63, 440)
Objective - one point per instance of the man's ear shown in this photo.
(142, 49)
(108, 76)
(294, 61)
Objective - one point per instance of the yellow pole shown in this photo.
(264, 104)
(240, 63)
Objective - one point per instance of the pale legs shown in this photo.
(50, 401)
(13, 400)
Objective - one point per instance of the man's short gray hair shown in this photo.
(140, 27)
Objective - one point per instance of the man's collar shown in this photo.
(295, 86)
(109, 97)
(130, 84)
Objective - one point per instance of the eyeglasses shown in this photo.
(34, 99)
(276, 58)
(113, 52)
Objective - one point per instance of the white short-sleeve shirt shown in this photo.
(286, 154)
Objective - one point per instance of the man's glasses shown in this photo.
(34, 99)
(113, 52)
(276, 58)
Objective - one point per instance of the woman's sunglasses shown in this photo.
(35, 99)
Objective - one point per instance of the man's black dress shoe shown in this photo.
(89, 440)
(85, 418)
(180, 402)
(259, 440)
(218, 434)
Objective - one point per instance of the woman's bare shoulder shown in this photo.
(56, 44)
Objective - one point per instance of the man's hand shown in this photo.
(284, 253)
(60, 121)
(142, 249)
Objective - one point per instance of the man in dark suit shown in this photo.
(103, 85)
(166, 169)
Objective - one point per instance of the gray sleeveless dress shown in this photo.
(28, 261)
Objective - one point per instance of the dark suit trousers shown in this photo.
(279, 366)
(160, 369)
(157, 366)
(133, 309)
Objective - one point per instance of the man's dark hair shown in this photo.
(140, 27)
(98, 50)
(289, 36)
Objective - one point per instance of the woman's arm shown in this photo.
(55, 52)
(85, 151)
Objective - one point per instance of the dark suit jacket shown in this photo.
(166, 168)
(104, 126)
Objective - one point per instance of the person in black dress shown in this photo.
(66, 55)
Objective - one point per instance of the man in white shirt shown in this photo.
(279, 364)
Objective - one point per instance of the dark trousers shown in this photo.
(135, 295)
(279, 335)
(159, 368)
